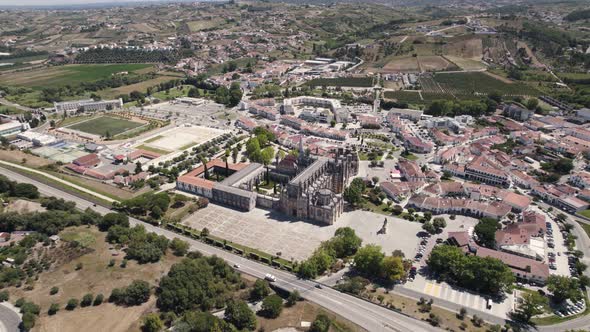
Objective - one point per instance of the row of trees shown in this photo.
(14, 189)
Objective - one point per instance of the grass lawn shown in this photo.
(153, 139)
(585, 213)
(411, 157)
(586, 227)
(104, 124)
(68, 74)
(156, 150)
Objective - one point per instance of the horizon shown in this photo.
(49, 3)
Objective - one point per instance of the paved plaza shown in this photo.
(273, 232)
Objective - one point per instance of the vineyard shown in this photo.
(359, 82)
(467, 85)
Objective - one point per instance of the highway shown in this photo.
(367, 315)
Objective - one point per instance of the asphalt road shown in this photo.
(9, 320)
(367, 315)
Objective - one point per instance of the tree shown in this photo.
(138, 168)
(345, 242)
(86, 300)
(111, 219)
(294, 296)
(532, 103)
(53, 309)
(28, 321)
(321, 323)
(98, 300)
(532, 304)
(368, 260)
(4, 296)
(563, 288)
(196, 283)
(72, 304)
(486, 232)
(179, 247)
(152, 323)
(137, 292)
(429, 227)
(260, 290)
(483, 274)
(439, 223)
(25, 190)
(197, 321)
(392, 268)
(272, 306)
(239, 314)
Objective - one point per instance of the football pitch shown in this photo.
(102, 125)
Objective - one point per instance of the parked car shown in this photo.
(270, 278)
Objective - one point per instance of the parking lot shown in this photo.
(558, 254)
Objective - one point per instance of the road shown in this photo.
(9, 319)
(367, 315)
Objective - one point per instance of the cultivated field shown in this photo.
(466, 64)
(434, 63)
(204, 24)
(102, 125)
(69, 74)
(402, 64)
(361, 82)
(470, 48)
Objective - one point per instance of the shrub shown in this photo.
(86, 300)
(54, 290)
(4, 296)
(98, 299)
(53, 309)
(72, 304)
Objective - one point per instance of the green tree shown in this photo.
(563, 288)
(272, 306)
(321, 323)
(152, 323)
(53, 309)
(392, 268)
(72, 304)
(486, 231)
(532, 304)
(239, 314)
(368, 260)
(345, 242)
(179, 247)
(86, 300)
(294, 296)
(4, 296)
(429, 227)
(260, 290)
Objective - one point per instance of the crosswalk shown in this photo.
(462, 298)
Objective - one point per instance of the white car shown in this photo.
(270, 278)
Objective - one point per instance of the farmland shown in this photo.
(67, 75)
(104, 124)
(435, 63)
(361, 82)
(473, 83)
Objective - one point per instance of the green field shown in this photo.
(104, 124)
(67, 75)
(361, 82)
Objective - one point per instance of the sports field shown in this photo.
(102, 125)
(68, 74)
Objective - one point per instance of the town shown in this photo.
(267, 166)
